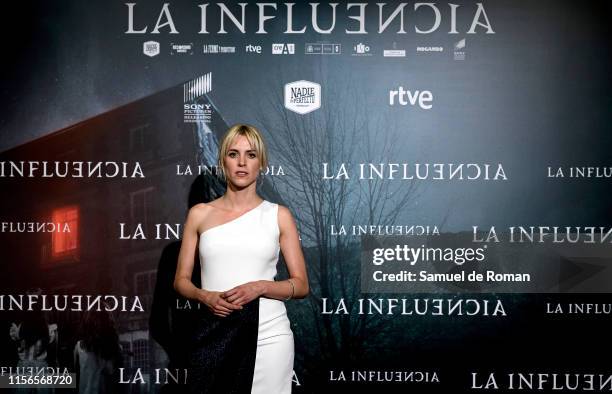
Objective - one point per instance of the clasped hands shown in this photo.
(222, 303)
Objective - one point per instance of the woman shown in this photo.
(243, 341)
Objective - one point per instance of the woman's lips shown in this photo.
(241, 173)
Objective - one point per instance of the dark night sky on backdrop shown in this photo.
(537, 89)
(65, 61)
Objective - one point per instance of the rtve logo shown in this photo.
(404, 97)
(253, 48)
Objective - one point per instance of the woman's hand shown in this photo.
(215, 302)
(244, 293)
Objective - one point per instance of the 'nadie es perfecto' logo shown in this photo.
(302, 97)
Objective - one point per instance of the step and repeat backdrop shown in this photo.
(448, 165)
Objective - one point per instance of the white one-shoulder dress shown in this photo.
(242, 250)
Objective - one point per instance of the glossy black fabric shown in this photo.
(222, 351)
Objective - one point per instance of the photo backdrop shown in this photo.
(448, 166)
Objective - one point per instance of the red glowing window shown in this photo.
(65, 239)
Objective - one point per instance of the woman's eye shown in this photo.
(252, 155)
(232, 154)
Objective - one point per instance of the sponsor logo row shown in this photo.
(300, 97)
(153, 48)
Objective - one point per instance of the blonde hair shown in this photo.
(255, 140)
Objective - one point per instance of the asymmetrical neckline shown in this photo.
(234, 219)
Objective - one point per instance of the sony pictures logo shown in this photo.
(150, 48)
(283, 49)
(196, 107)
(302, 97)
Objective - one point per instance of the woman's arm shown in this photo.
(294, 258)
(182, 279)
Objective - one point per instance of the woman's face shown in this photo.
(241, 162)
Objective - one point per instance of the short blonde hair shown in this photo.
(255, 140)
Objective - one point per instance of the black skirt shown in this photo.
(221, 351)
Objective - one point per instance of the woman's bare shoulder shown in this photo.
(283, 210)
(203, 207)
(199, 212)
(285, 217)
(199, 209)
